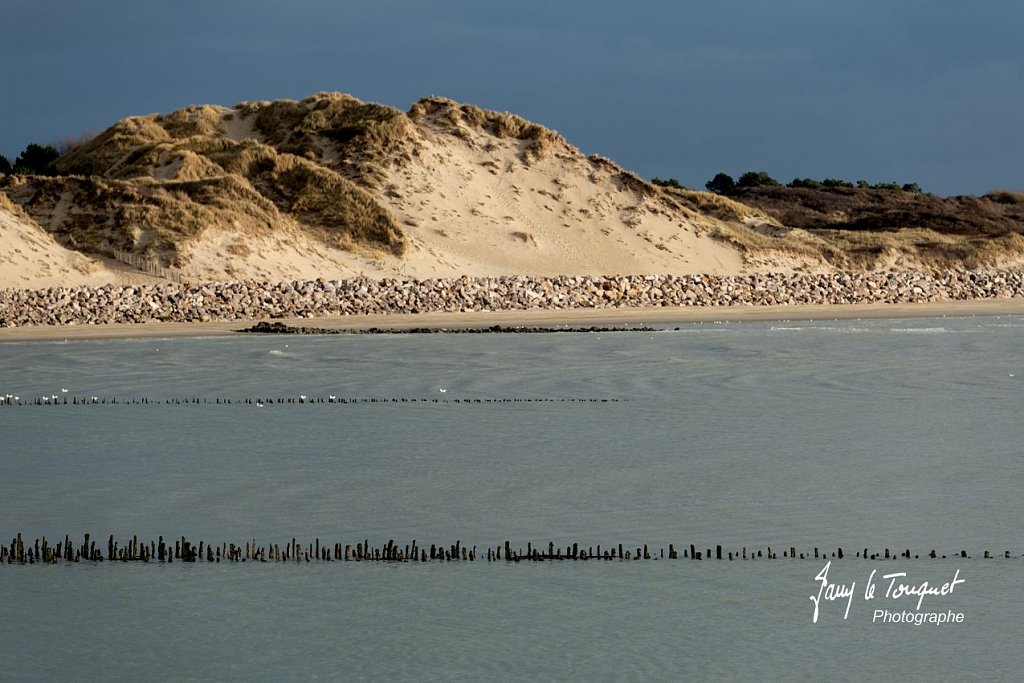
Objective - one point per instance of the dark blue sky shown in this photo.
(931, 92)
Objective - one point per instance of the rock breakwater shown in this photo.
(253, 300)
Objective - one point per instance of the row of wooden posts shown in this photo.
(142, 263)
(41, 551)
(63, 400)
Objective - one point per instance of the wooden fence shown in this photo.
(146, 265)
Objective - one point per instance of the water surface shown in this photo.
(876, 434)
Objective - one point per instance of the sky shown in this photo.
(910, 90)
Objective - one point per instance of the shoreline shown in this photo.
(546, 318)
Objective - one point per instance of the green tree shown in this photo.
(722, 183)
(757, 179)
(809, 183)
(912, 187)
(671, 182)
(37, 160)
(5, 165)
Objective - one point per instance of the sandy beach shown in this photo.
(604, 317)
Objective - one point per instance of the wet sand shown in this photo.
(603, 317)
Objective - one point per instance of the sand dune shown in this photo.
(483, 205)
(30, 258)
(333, 187)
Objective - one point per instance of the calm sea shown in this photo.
(879, 434)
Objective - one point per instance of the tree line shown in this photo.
(723, 183)
(36, 159)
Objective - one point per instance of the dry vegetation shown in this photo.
(873, 229)
(887, 210)
(9, 206)
(153, 184)
(338, 130)
(439, 110)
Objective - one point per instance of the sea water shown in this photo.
(856, 434)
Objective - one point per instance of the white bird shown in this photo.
(442, 390)
(331, 398)
(63, 390)
(302, 398)
(259, 404)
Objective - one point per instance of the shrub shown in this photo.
(912, 187)
(5, 165)
(834, 182)
(671, 182)
(757, 179)
(722, 183)
(809, 183)
(1005, 197)
(36, 160)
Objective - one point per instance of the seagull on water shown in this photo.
(63, 390)
(442, 390)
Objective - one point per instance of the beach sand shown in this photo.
(604, 317)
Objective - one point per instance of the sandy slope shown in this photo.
(31, 259)
(473, 204)
(282, 254)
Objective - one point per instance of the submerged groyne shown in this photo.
(252, 300)
(182, 549)
(63, 399)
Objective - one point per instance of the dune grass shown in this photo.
(502, 125)
(1006, 197)
(362, 136)
(7, 205)
(171, 177)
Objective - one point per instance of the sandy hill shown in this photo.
(333, 187)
